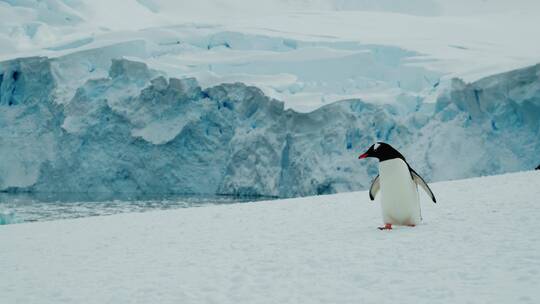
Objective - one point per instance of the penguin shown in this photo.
(398, 184)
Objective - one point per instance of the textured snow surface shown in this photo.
(477, 245)
(132, 130)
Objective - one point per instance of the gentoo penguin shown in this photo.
(398, 183)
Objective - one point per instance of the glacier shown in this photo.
(118, 126)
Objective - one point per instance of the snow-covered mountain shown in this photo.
(307, 53)
(134, 130)
(239, 97)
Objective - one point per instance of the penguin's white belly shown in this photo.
(399, 193)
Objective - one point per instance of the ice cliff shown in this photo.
(486, 127)
(135, 131)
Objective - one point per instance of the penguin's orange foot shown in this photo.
(386, 227)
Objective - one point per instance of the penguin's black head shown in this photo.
(382, 151)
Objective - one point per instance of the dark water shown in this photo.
(26, 207)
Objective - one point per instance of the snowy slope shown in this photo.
(284, 47)
(477, 245)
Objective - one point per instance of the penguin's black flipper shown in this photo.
(374, 189)
(420, 181)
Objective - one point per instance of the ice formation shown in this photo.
(64, 128)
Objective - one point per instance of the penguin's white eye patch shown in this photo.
(375, 146)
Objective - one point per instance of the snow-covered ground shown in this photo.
(307, 53)
(479, 244)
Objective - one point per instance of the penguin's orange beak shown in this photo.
(363, 156)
